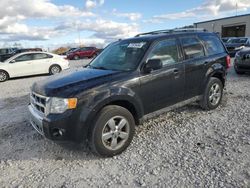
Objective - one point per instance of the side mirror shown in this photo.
(13, 61)
(152, 64)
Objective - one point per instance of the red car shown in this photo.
(89, 52)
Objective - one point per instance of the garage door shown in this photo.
(234, 31)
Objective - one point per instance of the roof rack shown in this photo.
(167, 31)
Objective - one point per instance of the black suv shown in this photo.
(130, 81)
(6, 53)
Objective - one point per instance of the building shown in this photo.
(235, 26)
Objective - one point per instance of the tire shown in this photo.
(212, 95)
(76, 57)
(238, 72)
(94, 56)
(106, 139)
(4, 76)
(55, 69)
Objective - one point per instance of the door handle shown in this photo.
(176, 71)
(205, 64)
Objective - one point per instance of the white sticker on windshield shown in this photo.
(136, 45)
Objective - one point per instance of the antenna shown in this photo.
(236, 8)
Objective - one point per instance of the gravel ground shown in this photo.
(187, 147)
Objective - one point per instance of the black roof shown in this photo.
(154, 35)
(223, 18)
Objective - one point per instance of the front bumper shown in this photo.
(242, 67)
(58, 127)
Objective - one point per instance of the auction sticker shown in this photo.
(136, 45)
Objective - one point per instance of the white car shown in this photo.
(32, 63)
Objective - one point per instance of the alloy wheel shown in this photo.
(115, 133)
(215, 94)
(55, 70)
(3, 76)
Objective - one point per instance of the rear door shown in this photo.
(164, 87)
(83, 52)
(195, 61)
(41, 63)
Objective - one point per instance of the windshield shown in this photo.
(120, 56)
(236, 41)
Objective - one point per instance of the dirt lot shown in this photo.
(187, 147)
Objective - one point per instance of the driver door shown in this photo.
(163, 87)
(22, 65)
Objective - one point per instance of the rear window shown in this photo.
(212, 44)
(238, 41)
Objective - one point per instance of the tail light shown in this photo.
(228, 61)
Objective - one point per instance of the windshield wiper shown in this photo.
(98, 67)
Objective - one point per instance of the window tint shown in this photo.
(3, 51)
(212, 44)
(26, 57)
(192, 47)
(166, 51)
(90, 48)
(40, 56)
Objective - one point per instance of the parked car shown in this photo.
(242, 61)
(32, 63)
(6, 53)
(68, 51)
(89, 52)
(21, 50)
(236, 44)
(130, 81)
(226, 40)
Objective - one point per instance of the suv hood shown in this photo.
(71, 82)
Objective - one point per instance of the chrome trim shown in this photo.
(36, 120)
(45, 105)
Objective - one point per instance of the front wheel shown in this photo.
(112, 132)
(213, 94)
(3, 76)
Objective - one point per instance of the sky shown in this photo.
(53, 23)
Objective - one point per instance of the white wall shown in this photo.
(216, 25)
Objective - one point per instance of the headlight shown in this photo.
(239, 48)
(60, 105)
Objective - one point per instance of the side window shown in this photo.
(166, 51)
(192, 47)
(212, 44)
(26, 57)
(40, 56)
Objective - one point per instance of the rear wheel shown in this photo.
(55, 69)
(76, 57)
(213, 94)
(3, 76)
(94, 56)
(112, 132)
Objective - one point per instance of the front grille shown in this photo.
(38, 102)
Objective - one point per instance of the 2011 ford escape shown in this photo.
(130, 81)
